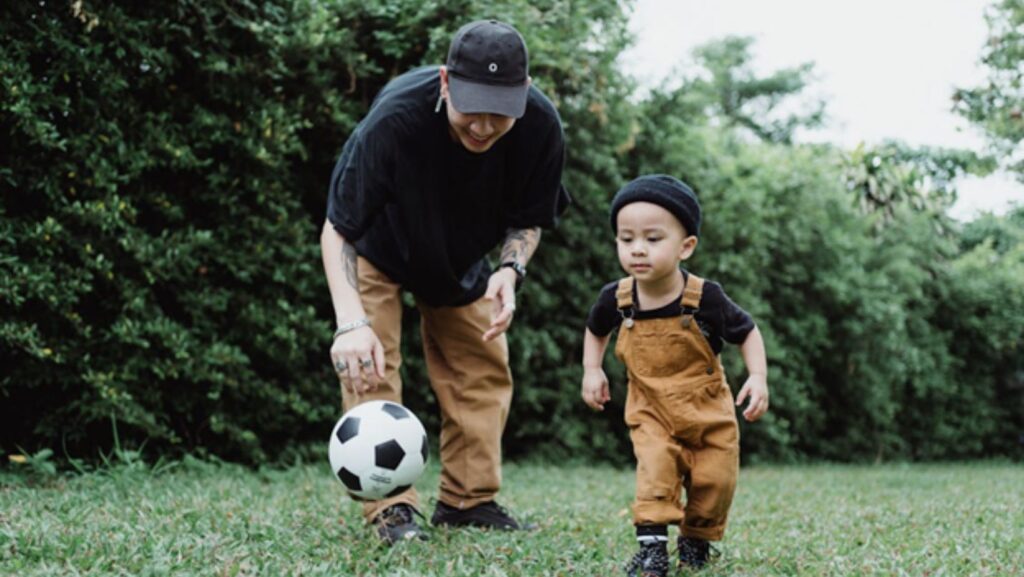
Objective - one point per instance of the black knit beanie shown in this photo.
(665, 191)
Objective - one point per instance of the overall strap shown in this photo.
(624, 301)
(690, 302)
(624, 294)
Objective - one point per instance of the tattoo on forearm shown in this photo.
(348, 259)
(520, 244)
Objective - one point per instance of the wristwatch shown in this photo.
(519, 269)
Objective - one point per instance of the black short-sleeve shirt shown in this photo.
(720, 319)
(426, 211)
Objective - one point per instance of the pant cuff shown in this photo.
(460, 502)
(706, 533)
(657, 513)
(373, 508)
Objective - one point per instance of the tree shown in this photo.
(163, 186)
(997, 107)
(163, 193)
(734, 93)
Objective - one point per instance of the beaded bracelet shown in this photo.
(349, 327)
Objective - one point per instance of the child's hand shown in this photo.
(595, 388)
(756, 388)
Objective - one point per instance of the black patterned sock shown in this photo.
(647, 534)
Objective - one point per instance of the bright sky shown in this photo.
(887, 68)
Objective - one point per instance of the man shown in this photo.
(449, 162)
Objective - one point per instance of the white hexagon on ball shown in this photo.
(378, 449)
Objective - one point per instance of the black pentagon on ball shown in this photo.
(349, 479)
(398, 491)
(349, 428)
(423, 449)
(397, 411)
(389, 455)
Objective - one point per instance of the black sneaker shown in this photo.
(650, 561)
(695, 553)
(489, 515)
(397, 523)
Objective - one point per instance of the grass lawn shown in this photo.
(200, 519)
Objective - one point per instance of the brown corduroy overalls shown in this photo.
(681, 417)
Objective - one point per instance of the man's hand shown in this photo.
(756, 388)
(358, 359)
(501, 290)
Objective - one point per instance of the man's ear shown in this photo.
(444, 82)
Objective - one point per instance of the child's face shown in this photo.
(651, 242)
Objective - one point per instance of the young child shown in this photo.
(679, 408)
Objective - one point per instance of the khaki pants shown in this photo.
(470, 379)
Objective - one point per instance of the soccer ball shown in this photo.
(378, 449)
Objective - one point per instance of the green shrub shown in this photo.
(160, 208)
(163, 186)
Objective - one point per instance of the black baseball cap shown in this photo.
(488, 69)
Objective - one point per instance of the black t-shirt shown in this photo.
(423, 209)
(719, 318)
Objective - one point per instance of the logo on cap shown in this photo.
(493, 67)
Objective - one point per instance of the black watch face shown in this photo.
(520, 269)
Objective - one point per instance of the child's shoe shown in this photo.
(694, 553)
(650, 561)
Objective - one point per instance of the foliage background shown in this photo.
(163, 181)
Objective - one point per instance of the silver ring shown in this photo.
(341, 366)
(509, 307)
(366, 363)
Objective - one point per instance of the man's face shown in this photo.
(476, 132)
